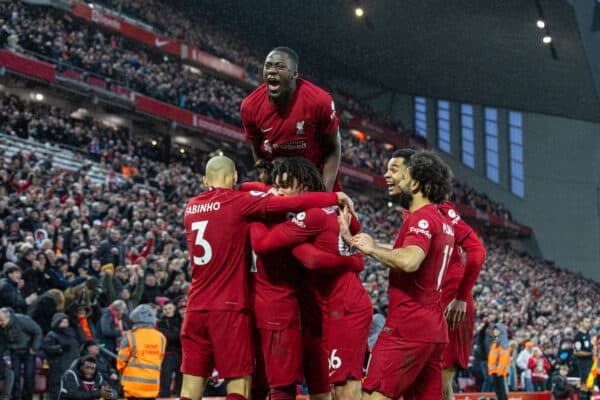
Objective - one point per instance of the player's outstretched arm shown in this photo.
(407, 259)
(276, 204)
(314, 258)
(264, 239)
(254, 186)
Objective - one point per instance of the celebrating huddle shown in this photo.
(276, 299)
(298, 309)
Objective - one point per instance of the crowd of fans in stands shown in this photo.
(70, 43)
(64, 232)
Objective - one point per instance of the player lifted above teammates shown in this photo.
(406, 360)
(288, 116)
(217, 327)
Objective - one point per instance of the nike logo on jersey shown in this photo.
(160, 43)
(266, 130)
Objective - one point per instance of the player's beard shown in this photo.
(405, 198)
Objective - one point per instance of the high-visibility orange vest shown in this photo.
(589, 382)
(139, 363)
(499, 360)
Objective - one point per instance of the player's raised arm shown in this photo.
(332, 153)
(307, 200)
(314, 258)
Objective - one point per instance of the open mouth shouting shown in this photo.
(273, 85)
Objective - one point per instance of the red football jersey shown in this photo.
(459, 281)
(275, 289)
(295, 131)
(320, 227)
(217, 223)
(456, 268)
(415, 311)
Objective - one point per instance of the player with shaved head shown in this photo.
(217, 329)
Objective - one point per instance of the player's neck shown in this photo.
(220, 185)
(418, 202)
(284, 102)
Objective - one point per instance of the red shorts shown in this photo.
(278, 357)
(401, 368)
(346, 334)
(315, 349)
(458, 350)
(217, 339)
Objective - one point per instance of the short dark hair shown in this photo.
(432, 173)
(87, 358)
(405, 153)
(303, 170)
(292, 55)
(10, 267)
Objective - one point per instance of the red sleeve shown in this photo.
(250, 128)
(326, 117)
(254, 186)
(314, 258)
(256, 205)
(265, 239)
(461, 230)
(300, 202)
(418, 232)
(354, 225)
(303, 227)
(475, 258)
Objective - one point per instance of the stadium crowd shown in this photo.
(96, 243)
(76, 247)
(70, 43)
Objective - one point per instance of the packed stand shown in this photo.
(80, 246)
(69, 43)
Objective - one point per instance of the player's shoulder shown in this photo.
(312, 216)
(430, 218)
(449, 210)
(312, 92)
(254, 99)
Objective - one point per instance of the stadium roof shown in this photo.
(483, 52)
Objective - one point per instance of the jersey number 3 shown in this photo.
(200, 228)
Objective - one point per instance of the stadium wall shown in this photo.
(562, 182)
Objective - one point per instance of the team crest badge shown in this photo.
(300, 128)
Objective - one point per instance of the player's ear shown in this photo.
(415, 186)
(205, 181)
(295, 73)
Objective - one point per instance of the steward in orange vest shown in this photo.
(140, 355)
(499, 360)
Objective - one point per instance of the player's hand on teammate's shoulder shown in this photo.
(344, 217)
(345, 201)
